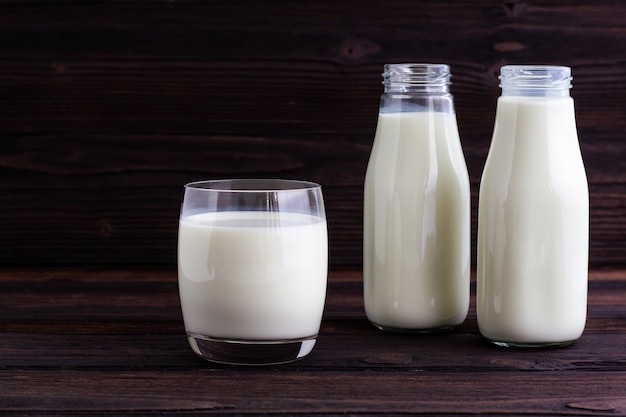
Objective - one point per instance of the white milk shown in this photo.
(417, 223)
(240, 280)
(533, 225)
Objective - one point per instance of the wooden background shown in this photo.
(107, 108)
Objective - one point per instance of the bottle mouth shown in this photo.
(535, 80)
(416, 77)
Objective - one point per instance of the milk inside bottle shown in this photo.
(416, 206)
(533, 226)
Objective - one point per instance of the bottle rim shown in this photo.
(416, 77)
(536, 77)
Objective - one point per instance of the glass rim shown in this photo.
(252, 185)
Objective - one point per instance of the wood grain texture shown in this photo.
(81, 342)
(108, 108)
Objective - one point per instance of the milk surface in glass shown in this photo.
(252, 275)
(417, 211)
(533, 220)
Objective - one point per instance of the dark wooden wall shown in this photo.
(108, 107)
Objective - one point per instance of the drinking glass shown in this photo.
(252, 269)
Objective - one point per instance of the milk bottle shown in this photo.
(533, 226)
(417, 206)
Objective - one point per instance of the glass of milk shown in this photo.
(252, 269)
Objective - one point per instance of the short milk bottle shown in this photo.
(416, 206)
(533, 216)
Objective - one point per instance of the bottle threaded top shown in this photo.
(416, 78)
(535, 80)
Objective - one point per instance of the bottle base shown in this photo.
(392, 329)
(250, 352)
(531, 345)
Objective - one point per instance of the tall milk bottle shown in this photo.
(533, 215)
(416, 206)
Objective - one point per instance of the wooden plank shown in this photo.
(146, 294)
(99, 223)
(330, 392)
(349, 344)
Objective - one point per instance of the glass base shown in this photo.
(250, 352)
(392, 329)
(530, 345)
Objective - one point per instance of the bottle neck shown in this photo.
(535, 81)
(416, 79)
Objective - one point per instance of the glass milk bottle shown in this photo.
(417, 206)
(533, 216)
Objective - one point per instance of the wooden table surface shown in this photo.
(98, 341)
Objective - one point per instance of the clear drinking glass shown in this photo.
(252, 269)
